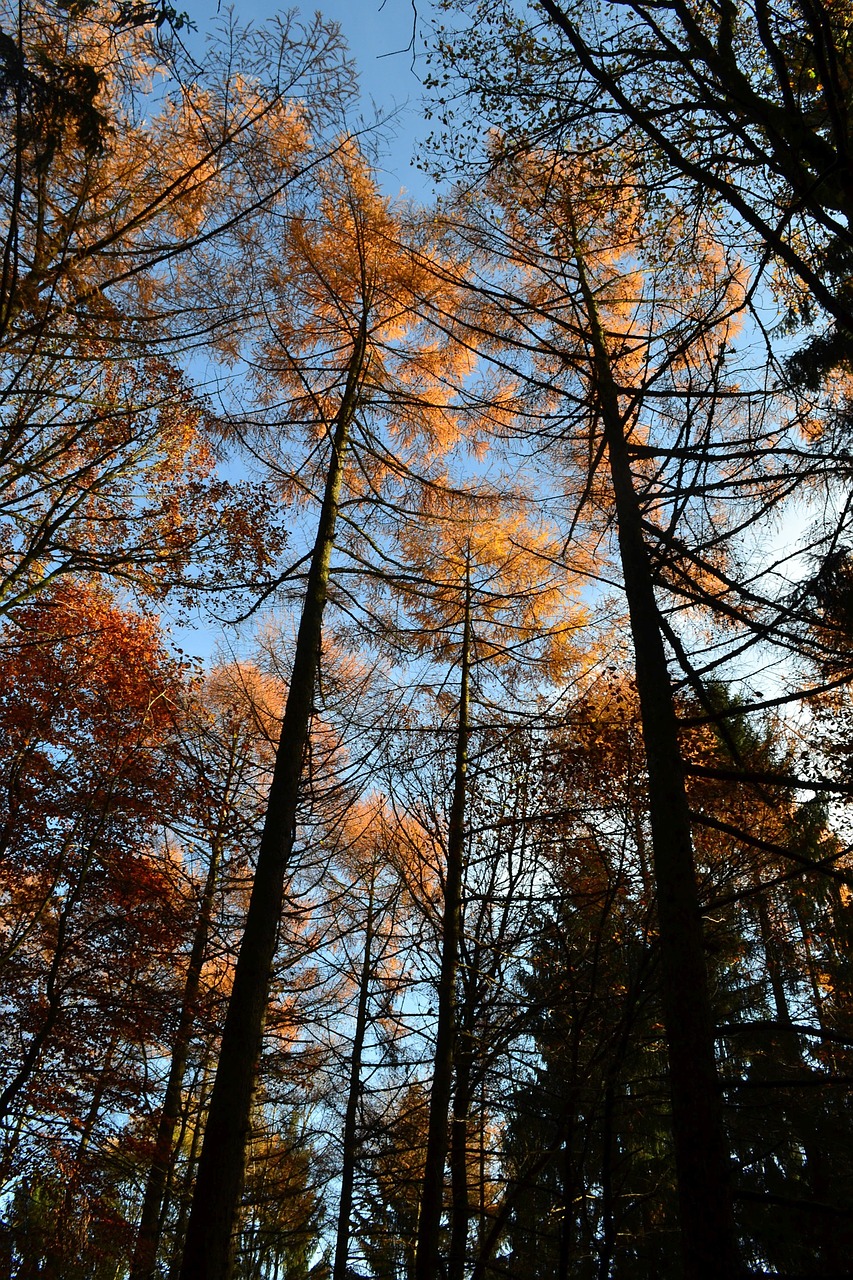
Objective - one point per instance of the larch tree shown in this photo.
(700, 1142)
(347, 359)
(744, 106)
(120, 159)
(485, 590)
(577, 297)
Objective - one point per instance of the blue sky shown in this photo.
(380, 36)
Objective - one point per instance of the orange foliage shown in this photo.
(524, 599)
(116, 164)
(358, 295)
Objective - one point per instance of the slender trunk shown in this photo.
(701, 1156)
(567, 1224)
(184, 1193)
(148, 1235)
(208, 1251)
(481, 1154)
(608, 1234)
(459, 1160)
(773, 958)
(426, 1257)
(350, 1144)
(53, 996)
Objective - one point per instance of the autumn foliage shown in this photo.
(479, 906)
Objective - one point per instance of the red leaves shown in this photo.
(89, 907)
(87, 697)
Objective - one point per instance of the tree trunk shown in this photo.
(567, 1222)
(148, 1235)
(608, 1231)
(459, 1159)
(350, 1144)
(208, 1251)
(183, 1196)
(701, 1155)
(426, 1257)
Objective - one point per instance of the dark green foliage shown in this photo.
(587, 1155)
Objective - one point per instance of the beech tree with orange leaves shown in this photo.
(90, 909)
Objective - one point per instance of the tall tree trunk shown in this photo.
(148, 1235)
(481, 1162)
(460, 1211)
(426, 1257)
(350, 1144)
(701, 1155)
(608, 1230)
(567, 1189)
(208, 1250)
(183, 1195)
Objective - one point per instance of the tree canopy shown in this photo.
(481, 907)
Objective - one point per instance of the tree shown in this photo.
(743, 104)
(484, 589)
(346, 343)
(426, 1255)
(90, 910)
(225, 743)
(773, 863)
(107, 464)
(577, 292)
(455, 922)
(97, 198)
(389, 1233)
(375, 975)
(586, 1165)
(282, 1228)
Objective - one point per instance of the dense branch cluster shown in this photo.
(483, 909)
